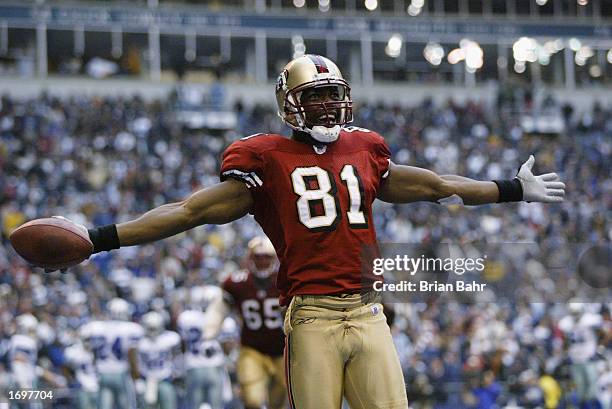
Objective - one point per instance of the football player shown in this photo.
(79, 362)
(157, 353)
(312, 194)
(206, 376)
(253, 293)
(22, 354)
(113, 345)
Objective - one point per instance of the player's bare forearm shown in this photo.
(473, 192)
(407, 184)
(218, 204)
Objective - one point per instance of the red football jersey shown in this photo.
(315, 205)
(257, 303)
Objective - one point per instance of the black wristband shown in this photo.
(104, 238)
(509, 190)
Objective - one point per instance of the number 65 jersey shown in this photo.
(256, 300)
(315, 205)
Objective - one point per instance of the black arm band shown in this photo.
(509, 190)
(104, 238)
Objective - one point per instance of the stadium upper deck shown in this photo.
(565, 43)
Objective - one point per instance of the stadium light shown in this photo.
(541, 2)
(394, 46)
(609, 56)
(574, 44)
(583, 2)
(583, 54)
(525, 49)
(456, 55)
(473, 57)
(543, 58)
(299, 48)
(519, 67)
(324, 5)
(413, 10)
(550, 47)
(299, 3)
(595, 71)
(545, 51)
(473, 54)
(371, 5)
(433, 53)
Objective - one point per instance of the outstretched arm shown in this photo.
(407, 184)
(410, 184)
(218, 204)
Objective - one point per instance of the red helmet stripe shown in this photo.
(319, 63)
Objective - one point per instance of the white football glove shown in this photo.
(546, 188)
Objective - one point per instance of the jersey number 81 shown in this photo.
(326, 194)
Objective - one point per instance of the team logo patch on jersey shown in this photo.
(375, 310)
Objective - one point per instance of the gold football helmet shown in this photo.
(262, 260)
(307, 72)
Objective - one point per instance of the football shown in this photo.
(52, 243)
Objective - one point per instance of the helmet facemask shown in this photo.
(262, 265)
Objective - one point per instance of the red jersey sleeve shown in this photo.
(229, 291)
(242, 162)
(227, 285)
(382, 156)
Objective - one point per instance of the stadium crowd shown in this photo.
(541, 338)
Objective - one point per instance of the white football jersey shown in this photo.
(199, 352)
(201, 296)
(110, 342)
(581, 335)
(22, 356)
(155, 355)
(82, 362)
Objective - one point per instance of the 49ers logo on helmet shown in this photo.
(281, 82)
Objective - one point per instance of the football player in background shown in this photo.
(312, 194)
(23, 352)
(579, 327)
(206, 377)
(114, 344)
(253, 294)
(79, 363)
(157, 353)
(22, 355)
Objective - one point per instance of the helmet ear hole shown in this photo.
(292, 112)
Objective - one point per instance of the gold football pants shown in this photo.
(261, 379)
(338, 346)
